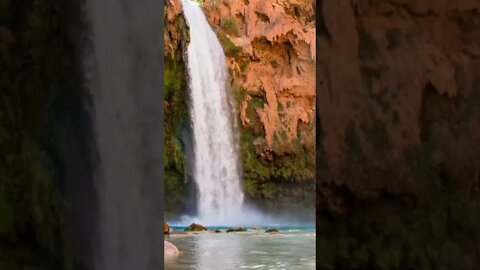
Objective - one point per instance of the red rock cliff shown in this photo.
(270, 46)
(278, 39)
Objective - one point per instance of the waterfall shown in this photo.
(216, 161)
(125, 78)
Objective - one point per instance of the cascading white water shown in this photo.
(126, 89)
(216, 170)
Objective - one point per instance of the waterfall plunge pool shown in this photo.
(293, 247)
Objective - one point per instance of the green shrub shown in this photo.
(251, 187)
(270, 190)
(174, 78)
(230, 49)
(257, 103)
(177, 188)
(239, 94)
(229, 26)
(286, 168)
(244, 65)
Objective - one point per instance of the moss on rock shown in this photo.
(40, 77)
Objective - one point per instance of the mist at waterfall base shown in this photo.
(250, 218)
(216, 169)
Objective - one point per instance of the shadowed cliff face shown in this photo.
(47, 199)
(399, 149)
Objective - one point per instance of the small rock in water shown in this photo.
(196, 228)
(218, 231)
(170, 249)
(240, 229)
(166, 228)
(271, 230)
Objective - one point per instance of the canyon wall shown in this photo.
(270, 49)
(398, 136)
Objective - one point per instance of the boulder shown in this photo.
(170, 249)
(271, 230)
(218, 231)
(196, 228)
(166, 228)
(240, 229)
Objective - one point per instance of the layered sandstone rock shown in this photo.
(276, 64)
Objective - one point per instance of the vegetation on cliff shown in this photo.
(265, 171)
(176, 126)
(178, 190)
(38, 84)
(269, 170)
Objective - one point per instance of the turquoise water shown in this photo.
(280, 228)
(292, 248)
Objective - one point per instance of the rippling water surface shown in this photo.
(291, 248)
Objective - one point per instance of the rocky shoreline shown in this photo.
(194, 229)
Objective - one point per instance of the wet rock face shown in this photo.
(270, 49)
(398, 94)
(176, 116)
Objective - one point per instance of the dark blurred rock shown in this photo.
(240, 229)
(196, 228)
